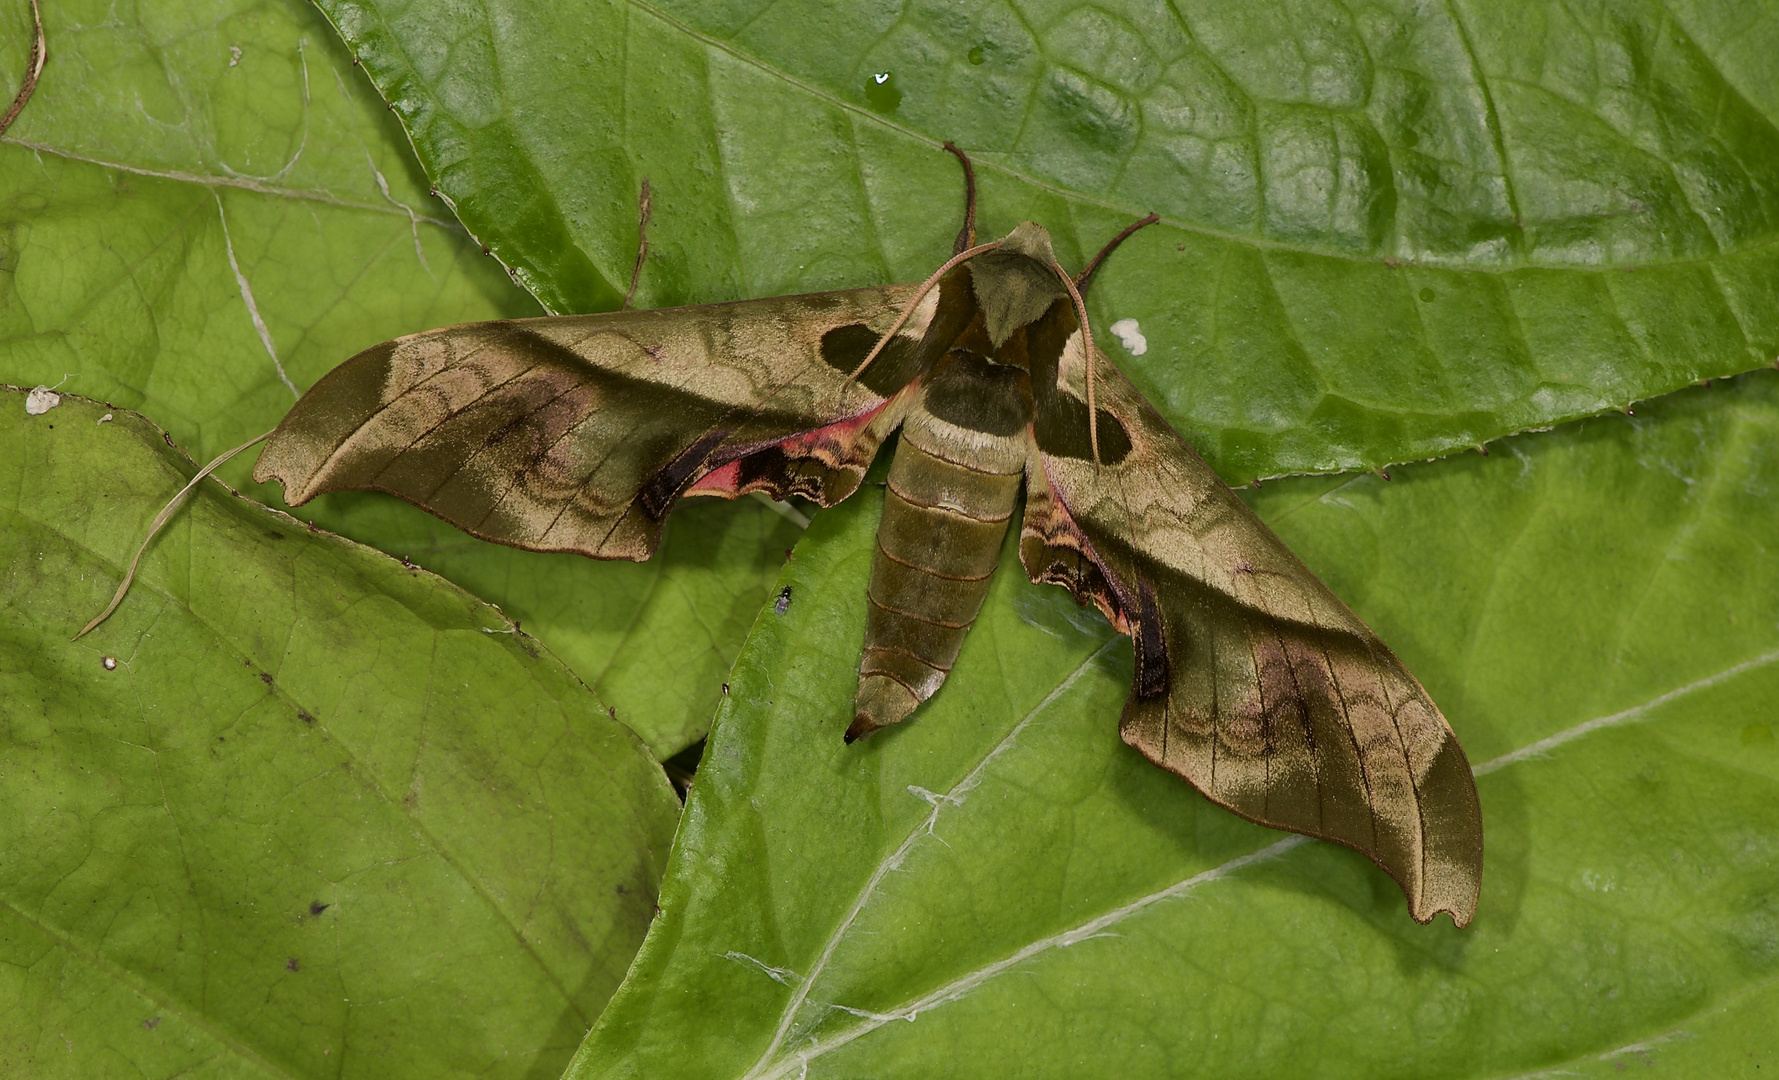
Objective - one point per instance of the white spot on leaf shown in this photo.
(41, 400)
(1130, 337)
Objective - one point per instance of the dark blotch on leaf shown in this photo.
(303, 715)
(881, 92)
(292, 965)
(316, 907)
(265, 677)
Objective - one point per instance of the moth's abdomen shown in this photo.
(952, 491)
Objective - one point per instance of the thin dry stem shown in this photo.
(155, 527)
(644, 208)
(34, 68)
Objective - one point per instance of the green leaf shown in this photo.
(296, 809)
(1388, 233)
(1001, 887)
(654, 639)
(205, 207)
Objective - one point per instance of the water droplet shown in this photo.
(881, 92)
(978, 54)
(1427, 296)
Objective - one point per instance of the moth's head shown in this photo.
(1017, 281)
(1031, 240)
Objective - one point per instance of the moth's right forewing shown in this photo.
(578, 433)
(1253, 681)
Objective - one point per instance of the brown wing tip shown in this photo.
(272, 466)
(1461, 911)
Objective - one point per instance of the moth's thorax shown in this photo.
(1016, 282)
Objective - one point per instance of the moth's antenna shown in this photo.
(966, 236)
(161, 520)
(1093, 415)
(925, 287)
(1085, 277)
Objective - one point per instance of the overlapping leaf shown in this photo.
(296, 809)
(1001, 887)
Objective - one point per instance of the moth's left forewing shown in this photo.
(578, 433)
(1253, 682)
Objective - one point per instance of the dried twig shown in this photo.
(33, 68)
(643, 209)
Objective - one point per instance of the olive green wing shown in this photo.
(1253, 681)
(579, 433)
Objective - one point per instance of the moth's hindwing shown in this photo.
(1253, 681)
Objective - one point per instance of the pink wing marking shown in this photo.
(725, 479)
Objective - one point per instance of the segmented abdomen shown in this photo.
(952, 491)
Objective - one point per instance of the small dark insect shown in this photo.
(265, 677)
(304, 716)
(783, 603)
(292, 965)
(316, 907)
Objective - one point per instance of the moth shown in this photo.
(1253, 682)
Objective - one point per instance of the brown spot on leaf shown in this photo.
(292, 965)
(303, 715)
(151, 1023)
(265, 677)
